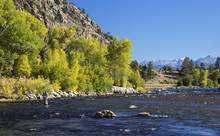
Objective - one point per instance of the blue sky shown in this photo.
(160, 29)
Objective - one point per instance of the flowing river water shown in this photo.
(173, 112)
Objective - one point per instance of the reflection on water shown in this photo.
(173, 112)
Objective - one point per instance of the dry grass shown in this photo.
(162, 80)
(158, 86)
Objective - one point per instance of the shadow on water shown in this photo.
(173, 112)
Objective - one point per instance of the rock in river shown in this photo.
(133, 107)
(144, 114)
(105, 114)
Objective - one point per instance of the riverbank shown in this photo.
(114, 92)
(63, 94)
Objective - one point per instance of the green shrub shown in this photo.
(65, 10)
(210, 84)
(17, 88)
(7, 87)
(187, 81)
(180, 83)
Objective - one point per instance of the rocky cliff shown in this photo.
(61, 12)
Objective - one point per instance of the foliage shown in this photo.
(215, 76)
(25, 35)
(135, 65)
(199, 76)
(56, 87)
(7, 10)
(187, 72)
(147, 71)
(55, 65)
(187, 67)
(17, 88)
(70, 63)
(167, 69)
(65, 10)
(119, 57)
(101, 81)
(204, 78)
(187, 80)
(7, 61)
(7, 87)
(20, 33)
(179, 83)
(22, 67)
(150, 72)
(92, 65)
(136, 80)
(196, 77)
(60, 37)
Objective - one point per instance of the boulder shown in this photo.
(4, 99)
(65, 94)
(132, 90)
(55, 94)
(123, 90)
(133, 107)
(144, 114)
(127, 91)
(108, 94)
(113, 89)
(31, 96)
(105, 114)
(61, 94)
(71, 94)
(52, 97)
(76, 93)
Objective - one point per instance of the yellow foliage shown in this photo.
(56, 87)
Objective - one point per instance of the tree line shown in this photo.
(189, 74)
(200, 76)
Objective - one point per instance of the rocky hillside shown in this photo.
(59, 13)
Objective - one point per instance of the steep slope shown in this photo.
(59, 13)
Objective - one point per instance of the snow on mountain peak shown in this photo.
(177, 63)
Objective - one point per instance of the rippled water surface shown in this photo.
(173, 113)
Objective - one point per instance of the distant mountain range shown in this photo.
(177, 63)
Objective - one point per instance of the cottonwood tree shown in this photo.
(119, 57)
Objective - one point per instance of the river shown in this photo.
(173, 112)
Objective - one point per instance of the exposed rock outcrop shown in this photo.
(60, 13)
